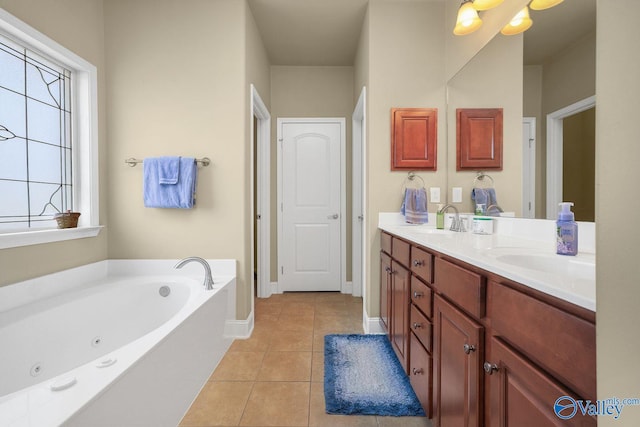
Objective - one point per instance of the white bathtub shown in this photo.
(100, 346)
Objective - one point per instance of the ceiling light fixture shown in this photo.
(544, 4)
(520, 23)
(487, 4)
(468, 20)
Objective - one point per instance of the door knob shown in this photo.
(417, 263)
(417, 371)
(490, 368)
(468, 348)
(334, 216)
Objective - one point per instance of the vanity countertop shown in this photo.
(519, 253)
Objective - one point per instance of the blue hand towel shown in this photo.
(414, 206)
(168, 170)
(169, 182)
(486, 196)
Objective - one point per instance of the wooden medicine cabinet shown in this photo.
(479, 138)
(414, 138)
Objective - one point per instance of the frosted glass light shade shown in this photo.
(486, 4)
(520, 23)
(544, 4)
(468, 20)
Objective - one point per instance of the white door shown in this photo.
(529, 167)
(309, 247)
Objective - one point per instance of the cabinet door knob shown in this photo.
(468, 348)
(417, 294)
(417, 371)
(417, 325)
(417, 263)
(388, 270)
(490, 368)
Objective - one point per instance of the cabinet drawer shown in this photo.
(420, 374)
(421, 327)
(421, 296)
(422, 264)
(385, 242)
(561, 343)
(400, 250)
(464, 287)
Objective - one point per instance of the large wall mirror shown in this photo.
(545, 75)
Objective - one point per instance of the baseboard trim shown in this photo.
(239, 329)
(371, 325)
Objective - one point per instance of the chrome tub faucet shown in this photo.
(208, 280)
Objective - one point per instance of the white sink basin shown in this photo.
(578, 268)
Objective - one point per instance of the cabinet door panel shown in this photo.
(420, 373)
(421, 296)
(559, 342)
(400, 312)
(522, 395)
(456, 386)
(385, 290)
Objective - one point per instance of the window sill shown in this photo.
(14, 240)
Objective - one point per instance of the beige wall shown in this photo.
(406, 69)
(617, 153)
(579, 163)
(532, 107)
(77, 25)
(560, 81)
(492, 79)
(310, 92)
(177, 86)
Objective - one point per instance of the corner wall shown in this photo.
(406, 69)
(617, 152)
(177, 85)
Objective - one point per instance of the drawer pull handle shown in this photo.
(417, 325)
(417, 294)
(468, 348)
(417, 263)
(418, 371)
(490, 368)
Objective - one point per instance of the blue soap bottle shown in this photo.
(567, 231)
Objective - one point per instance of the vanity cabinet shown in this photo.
(458, 354)
(394, 298)
(482, 350)
(521, 394)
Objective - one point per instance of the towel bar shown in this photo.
(132, 161)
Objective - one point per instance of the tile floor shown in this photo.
(275, 378)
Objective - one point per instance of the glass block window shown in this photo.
(35, 138)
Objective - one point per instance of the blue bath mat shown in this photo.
(362, 376)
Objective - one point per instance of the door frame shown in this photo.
(529, 168)
(358, 220)
(343, 192)
(554, 151)
(263, 209)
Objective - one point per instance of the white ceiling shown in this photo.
(326, 32)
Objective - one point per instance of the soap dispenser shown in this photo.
(567, 231)
(440, 218)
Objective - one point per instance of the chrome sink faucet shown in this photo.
(494, 206)
(456, 224)
(208, 280)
